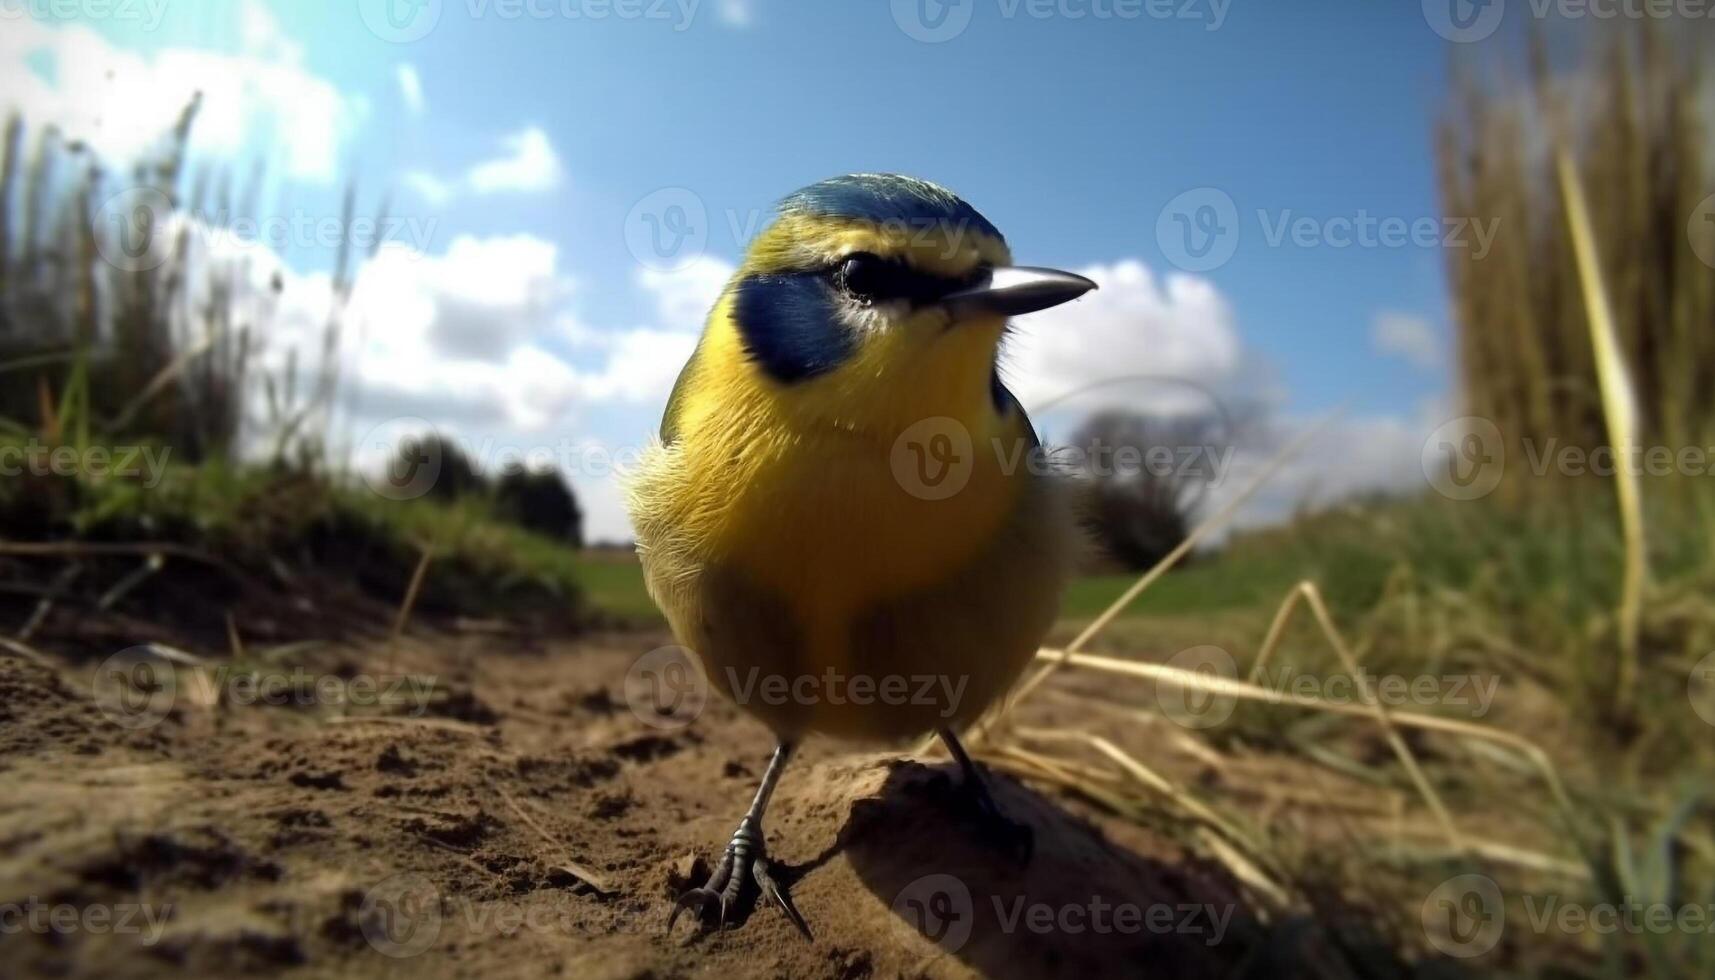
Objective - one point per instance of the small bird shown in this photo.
(840, 519)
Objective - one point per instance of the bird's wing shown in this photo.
(676, 400)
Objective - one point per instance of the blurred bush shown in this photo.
(542, 501)
(1147, 475)
(539, 500)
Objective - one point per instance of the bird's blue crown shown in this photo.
(887, 199)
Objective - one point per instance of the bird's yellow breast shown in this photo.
(835, 517)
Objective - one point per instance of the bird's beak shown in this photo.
(1015, 290)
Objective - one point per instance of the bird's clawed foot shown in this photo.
(1011, 837)
(746, 857)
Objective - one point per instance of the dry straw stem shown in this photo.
(1619, 409)
(566, 864)
(403, 616)
(1148, 578)
(1224, 839)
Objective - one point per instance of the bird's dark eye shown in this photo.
(874, 279)
(865, 275)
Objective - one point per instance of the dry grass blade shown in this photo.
(166, 376)
(61, 583)
(404, 614)
(1244, 691)
(1307, 593)
(1144, 775)
(1619, 410)
(566, 864)
(28, 653)
(1201, 531)
(124, 586)
(1219, 835)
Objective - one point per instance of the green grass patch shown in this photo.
(612, 582)
(252, 536)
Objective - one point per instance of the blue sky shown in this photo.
(1071, 133)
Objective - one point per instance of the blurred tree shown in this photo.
(457, 476)
(1147, 475)
(541, 501)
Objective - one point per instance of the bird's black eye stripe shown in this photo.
(875, 279)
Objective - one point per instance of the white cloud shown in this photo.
(643, 362)
(432, 189)
(1408, 336)
(261, 35)
(684, 296)
(530, 165)
(123, 103)
(410, 88)
(463, 331)
(467, 339)
(1179, 331)
(1349, 456)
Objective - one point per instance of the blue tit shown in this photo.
(841, 517)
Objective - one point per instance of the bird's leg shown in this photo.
(746, 856)
(1014, 837)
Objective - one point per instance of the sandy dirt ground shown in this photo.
(491, 805)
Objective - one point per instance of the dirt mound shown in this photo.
(518, 819)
